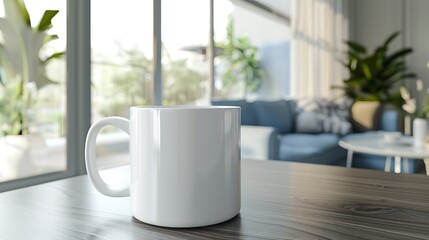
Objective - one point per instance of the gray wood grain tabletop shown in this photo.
(279, 201)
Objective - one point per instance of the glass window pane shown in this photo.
(185, 35)
(121, 64)
(32, 91)
(255, 57)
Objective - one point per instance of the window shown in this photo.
(255, 58)
(185, 66)
(121, 64)
(110, 66)
(33, 107)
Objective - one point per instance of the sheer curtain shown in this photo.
(319, 29)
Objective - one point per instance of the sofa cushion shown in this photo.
(311, 148)
(248, 116)
(324, 115)
(308, 122)
(277, 114)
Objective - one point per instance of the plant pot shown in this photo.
(365, 116)
(19, 154)
(420, 131)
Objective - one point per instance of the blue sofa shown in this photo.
(284, 144)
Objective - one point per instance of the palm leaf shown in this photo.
(392, 69)
(22, 9)
(399, 77)
(398, 54)
(356, 47)
(373, 75)
(46, 20)
(366, 70)
(53, 56)
(49, 38)
(390, 39)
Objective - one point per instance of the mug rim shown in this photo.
(182, 107)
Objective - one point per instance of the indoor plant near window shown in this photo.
(375, 76)
(22, 73)
(242, 64)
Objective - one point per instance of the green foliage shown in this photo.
(21, 63)
(374, 76)
(130, 84)
(424, 113)
(242, 62)
(133, 85)
(181, 83)
(11, 106)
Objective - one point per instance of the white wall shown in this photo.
(259, 27)
(275, 59)
(271, 35)
(418, 16)
(373, 21)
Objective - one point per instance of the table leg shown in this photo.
(406, 166)
(426, 161)
(388, 164)
(349, 158)
(397, 164)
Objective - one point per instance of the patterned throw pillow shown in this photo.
(329, 116)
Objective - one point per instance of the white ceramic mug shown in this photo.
(185, 164)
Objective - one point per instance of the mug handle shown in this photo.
(91, 166)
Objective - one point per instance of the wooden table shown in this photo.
(279, 201)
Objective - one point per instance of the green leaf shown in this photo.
(353, 55)
(390, 39)
(388, 71)
(353, 64)
(53, 56)
(400, 77)
(356, 47)
(395, 99)
(49, 38)
(23, 11)
(379, 56)
(366, 70)
(425, 108)
(354, 82)
(46, 20)
(398, 54)
(407, 75)
(369, 97)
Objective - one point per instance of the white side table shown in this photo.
(402, 149)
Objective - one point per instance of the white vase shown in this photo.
(420, 131)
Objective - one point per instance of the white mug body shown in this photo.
(185, 165)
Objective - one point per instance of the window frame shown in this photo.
(78, 78)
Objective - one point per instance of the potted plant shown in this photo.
(22, 72)
(375, 76)
(242, 64)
